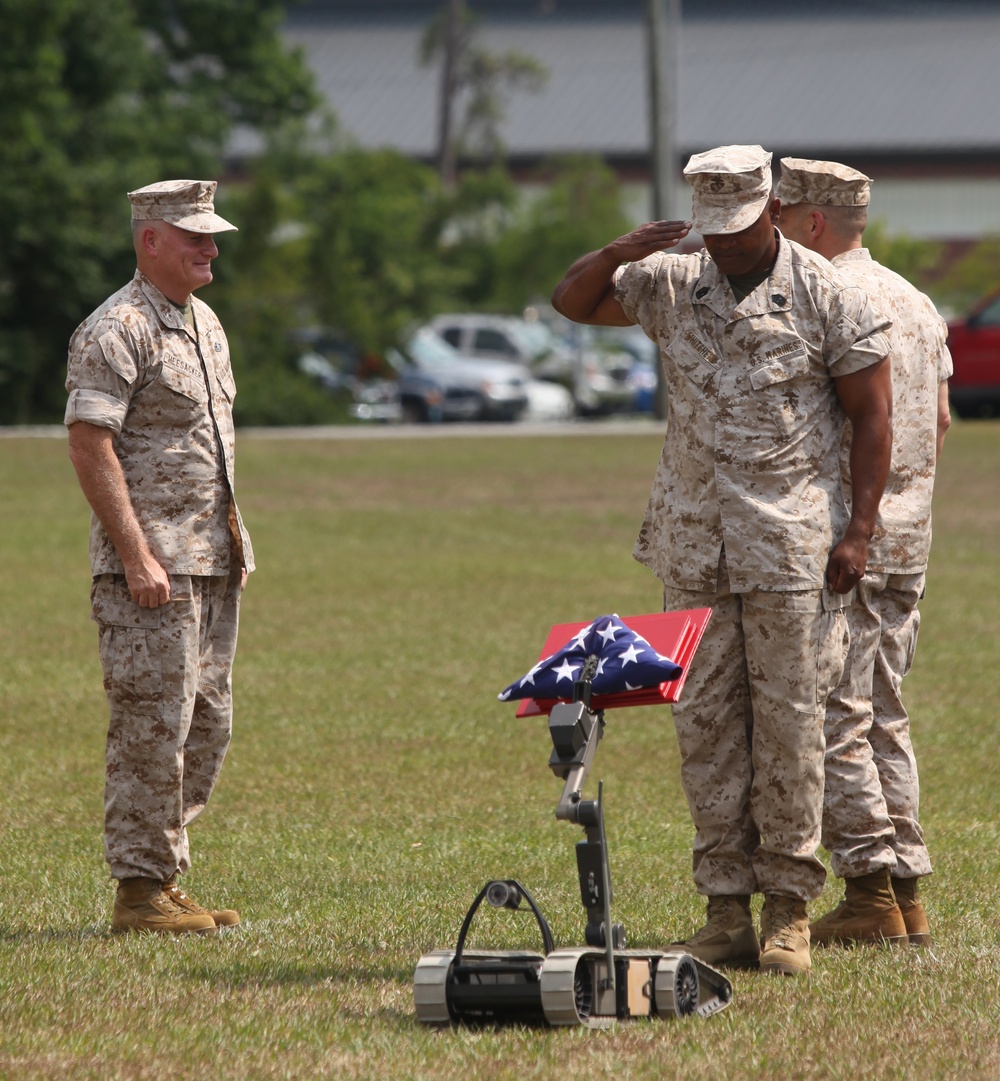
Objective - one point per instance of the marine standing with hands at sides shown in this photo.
(765, 351)
(151, 438)
(872, 794)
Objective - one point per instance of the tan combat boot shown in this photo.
(222, 917)
(728, 936)
(142, 904)
(868, 913)
(914, 917)
(784, 934)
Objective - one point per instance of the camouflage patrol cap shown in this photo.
(732, 186)
(822, 183)
(188, 204)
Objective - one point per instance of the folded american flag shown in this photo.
(625, 662)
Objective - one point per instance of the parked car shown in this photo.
(642, 380)
(598, 380)
(436, 382)
(548, 401)
(377, 400)
(644, 360)
(338, 366)
(974, 389)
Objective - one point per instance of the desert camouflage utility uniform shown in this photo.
(745, 508)
(871, 800)
(159, 377)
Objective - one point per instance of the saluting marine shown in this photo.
(765, 351)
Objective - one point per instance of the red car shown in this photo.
(974, 389)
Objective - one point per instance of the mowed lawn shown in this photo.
(374, 784)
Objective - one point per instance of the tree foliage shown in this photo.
(971, 277)
(374, 219)
(366, 244)
(96, 99)
(908, 256)
(579, 210)
(954, 282)
(480, 81)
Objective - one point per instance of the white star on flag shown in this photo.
(565, 670)
(608, 634)
(631, 656)
(530, 677)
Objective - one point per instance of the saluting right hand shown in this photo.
(652, 237)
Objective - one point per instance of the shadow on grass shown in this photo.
(335, 979)
(284, 974)
(16, 936)
(341, 982)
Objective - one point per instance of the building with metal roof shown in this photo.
(908, 91)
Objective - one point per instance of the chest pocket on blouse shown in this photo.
(689, 360)
(777, 388)
(184, 378)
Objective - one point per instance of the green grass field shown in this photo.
(374, 784)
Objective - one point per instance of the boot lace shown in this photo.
(781, 920)
(165, 904)
(179, 898)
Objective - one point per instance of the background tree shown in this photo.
(260, 290)
(355, 245)
(480, 210)
(912, 258)
(970, 278)
(954, 281)
(374, 220)
(96, 99)
(474, 81)
(580, 209)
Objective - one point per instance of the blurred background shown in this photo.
(412, 177)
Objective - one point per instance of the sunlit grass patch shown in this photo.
(375, 784)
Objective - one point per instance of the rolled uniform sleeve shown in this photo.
(96, 408)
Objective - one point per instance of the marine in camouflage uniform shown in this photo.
(870, 819)
(151, 436)
(763, 360)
